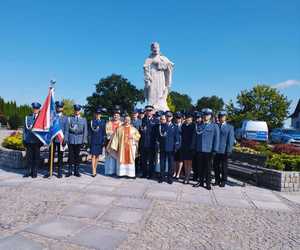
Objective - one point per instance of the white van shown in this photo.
(253, 130)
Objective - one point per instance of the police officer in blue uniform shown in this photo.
(206, 144)
(78, 136)
(97, 138)
(147, 143)
(135, 121)
(31, 142)
(63, 122)
(168, 139)
(224, 150)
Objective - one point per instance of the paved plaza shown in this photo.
(110, 213)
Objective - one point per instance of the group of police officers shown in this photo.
(198, 140)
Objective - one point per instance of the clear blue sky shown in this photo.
(218, 47)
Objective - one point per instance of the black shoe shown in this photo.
(26, 175)
(76, 171)
(46, 175)
(170, 181)
(69, 172)
(94, 175)
(222, 184)
(160, 180)
(199, 184)
(216, 183)
(208, 187)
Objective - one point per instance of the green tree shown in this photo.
(213, 102)
(15, 121)
(171, 104)
(68, 106)
(179, 101)
(114, 90)
(262, 103)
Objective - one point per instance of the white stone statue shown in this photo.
(158, 71)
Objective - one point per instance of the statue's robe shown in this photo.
(125, 144)
(110, 165)
(158, 72)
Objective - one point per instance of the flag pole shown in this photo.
(52, 83)
(51, 160)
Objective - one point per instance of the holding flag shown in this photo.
(46, 126)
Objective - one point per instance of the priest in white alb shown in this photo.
(125, 144)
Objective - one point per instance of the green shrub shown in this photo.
(283, 162)
(14, 141)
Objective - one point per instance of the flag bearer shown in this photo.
(77, 137)
(57, 145)
(31, 142)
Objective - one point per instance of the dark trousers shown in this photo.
(195, 167)
(74, 154)
(148, 161)
(56, 148)
(204, 161)
(165, 157)
(33, 158)
(74, 159)
(221, 167)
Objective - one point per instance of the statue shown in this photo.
(158, 71)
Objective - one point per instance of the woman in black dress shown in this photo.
(187, 130)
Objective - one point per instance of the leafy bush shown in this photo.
(14, 141)
(14, 121)
(286, 149)
(283, 162)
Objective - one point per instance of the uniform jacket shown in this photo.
(28, 136)
(206, 138)
(63, 122)
(136, 123)
(226, 138)
(148, 132)
(167, 136)
(97, 132)
(77, 130)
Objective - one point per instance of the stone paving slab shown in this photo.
(292, 197)
(226, 202)
(271, 205)
(123, 215)
(99, 189)
(99, 238)
(197, 198)
(96, 199)
(133, 203)
(161, 194)
(263, 197)
(56, 228)
(18, 242)
(134, 191)
(84, 211)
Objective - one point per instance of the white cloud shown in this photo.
(286, 84)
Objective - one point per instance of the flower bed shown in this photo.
(14, 141)
(278, 166)
(284, 157)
